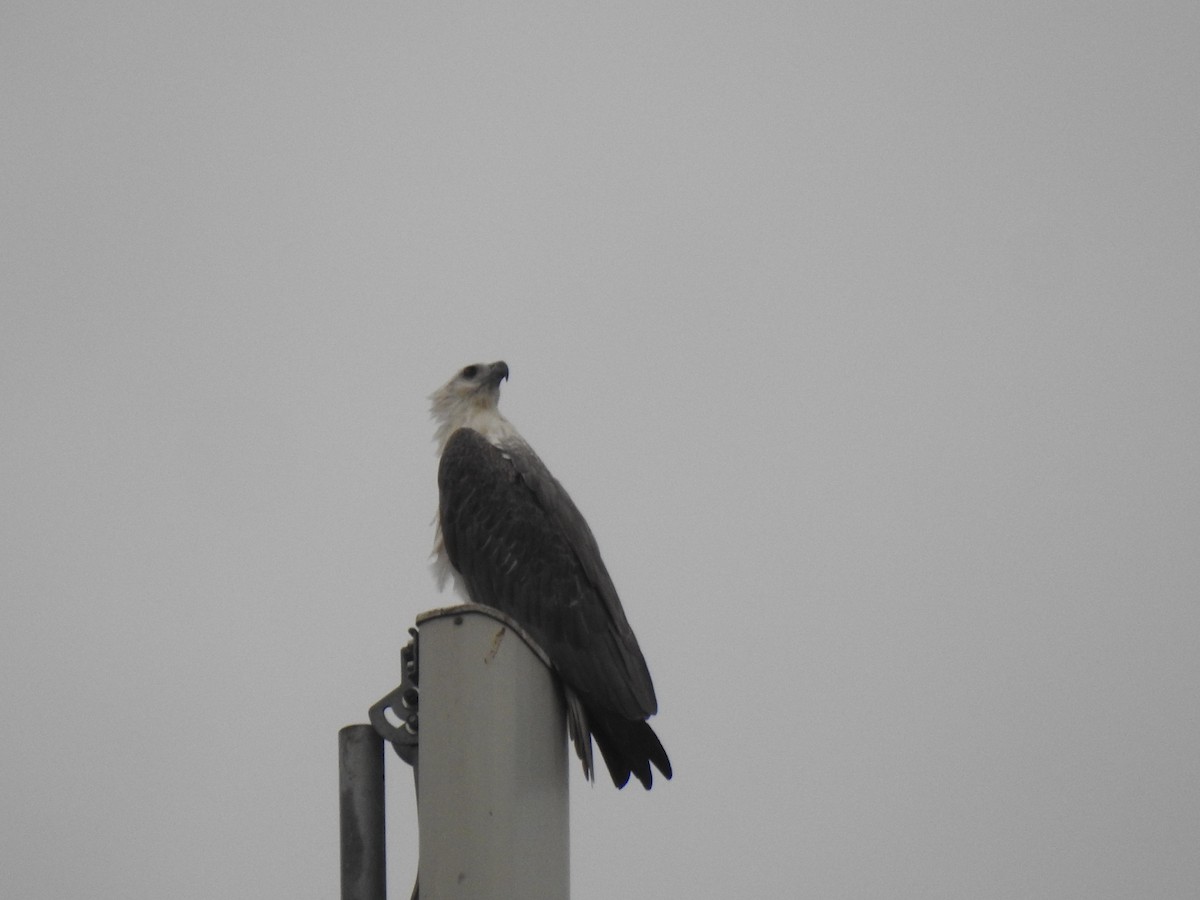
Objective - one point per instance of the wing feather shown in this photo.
(521, 546)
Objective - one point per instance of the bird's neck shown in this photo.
(484, 419)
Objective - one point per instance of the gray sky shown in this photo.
(867, 336)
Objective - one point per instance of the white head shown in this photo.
(468, 400)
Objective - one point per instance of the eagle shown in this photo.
(510, 538)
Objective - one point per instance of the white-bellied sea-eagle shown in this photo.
(513, 540)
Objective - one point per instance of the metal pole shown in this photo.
(360, 767)
(493, 776)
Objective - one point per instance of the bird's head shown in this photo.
(468, 400)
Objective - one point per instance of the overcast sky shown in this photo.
(866, 336)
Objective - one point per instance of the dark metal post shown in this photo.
(360, 766)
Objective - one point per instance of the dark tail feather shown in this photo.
(629, 748)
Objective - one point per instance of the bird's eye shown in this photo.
(470, 371)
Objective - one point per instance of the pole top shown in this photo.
(465, 609)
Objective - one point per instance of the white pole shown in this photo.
(493, 774)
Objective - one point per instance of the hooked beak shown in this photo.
(498, 373)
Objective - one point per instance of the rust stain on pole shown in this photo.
(497, 639)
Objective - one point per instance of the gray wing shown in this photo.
(521, 546)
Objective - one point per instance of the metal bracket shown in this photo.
(401, 703)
